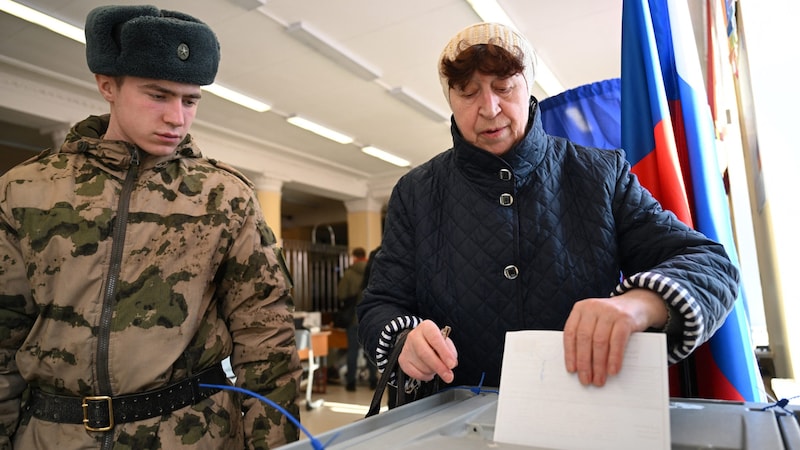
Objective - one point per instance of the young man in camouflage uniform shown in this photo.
(130, 267)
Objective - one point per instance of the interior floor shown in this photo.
(336, 407)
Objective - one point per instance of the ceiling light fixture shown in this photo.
(237, 97)
(335, 53)
(250, 4)
(319, 129)
(75, 33)
(386, 156)
(546, 79)
(43, 20)
(491, 11)
(418, 104)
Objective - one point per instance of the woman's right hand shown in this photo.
(427, 353)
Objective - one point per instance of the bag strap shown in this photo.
(391, 366)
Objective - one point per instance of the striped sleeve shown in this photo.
(680, 303)
(387, 339)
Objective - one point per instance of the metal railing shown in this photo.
(316, 270)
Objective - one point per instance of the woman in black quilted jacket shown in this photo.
(514, 229)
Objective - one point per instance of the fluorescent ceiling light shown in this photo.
(43, 20)
(418, 104)
(250, 4)
(236, 97)
(319, 129)
(326, 47)
(546, 80)
(386, 156)
(77, 34)
(491, 11)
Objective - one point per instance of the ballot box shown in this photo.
(458, 419)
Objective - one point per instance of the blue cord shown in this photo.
(782, 403)
(476, 389)
(315, 443)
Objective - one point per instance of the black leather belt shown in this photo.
(101, 412)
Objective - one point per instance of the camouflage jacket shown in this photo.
(199, 277)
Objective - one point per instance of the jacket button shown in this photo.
(506, 199)
(511, 272)
(505, 174)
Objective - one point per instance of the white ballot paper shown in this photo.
(543, 406)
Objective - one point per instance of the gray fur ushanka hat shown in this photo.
(144, 41)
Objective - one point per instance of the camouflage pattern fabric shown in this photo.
(195, 276)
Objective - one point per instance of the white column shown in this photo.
(57, 133)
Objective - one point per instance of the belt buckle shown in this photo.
(85, 406)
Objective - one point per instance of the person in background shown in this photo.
(514, 229)
(349, 294)
(132, 266)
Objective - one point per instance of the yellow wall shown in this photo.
(271, 206)
(364, 229)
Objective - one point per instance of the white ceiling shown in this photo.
(578, 39)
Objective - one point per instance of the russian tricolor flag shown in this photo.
(668, 135)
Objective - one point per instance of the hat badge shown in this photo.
(183, 52)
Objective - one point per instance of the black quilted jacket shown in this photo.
(489, 244)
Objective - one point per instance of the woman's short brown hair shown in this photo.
(488, 59)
